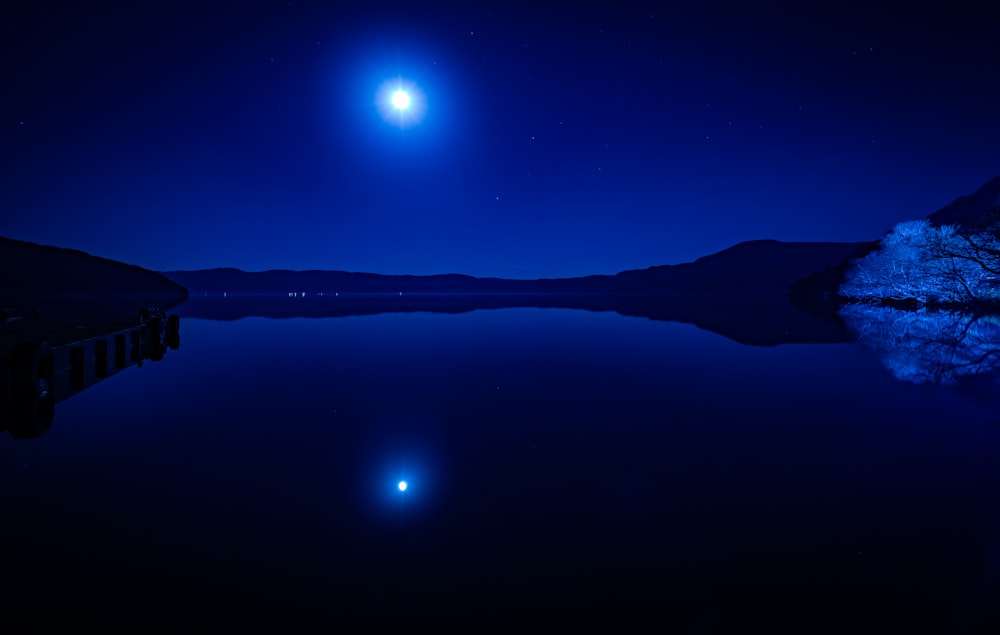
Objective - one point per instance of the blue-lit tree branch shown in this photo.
(928, 346)
(928, 265)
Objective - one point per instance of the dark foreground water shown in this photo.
(559, 463)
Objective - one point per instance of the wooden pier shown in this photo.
(48, 361)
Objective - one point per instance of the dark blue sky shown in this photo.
(555, 141)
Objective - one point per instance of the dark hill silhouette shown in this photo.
(978, 210)
(818, 292)
(54, 282)
(753, 267)
(283, 281)
(738, 293)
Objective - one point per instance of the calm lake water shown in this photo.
(559, 463)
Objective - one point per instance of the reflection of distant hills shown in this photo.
(739, 292)
(755, 319)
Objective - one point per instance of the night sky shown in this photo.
(553, 141)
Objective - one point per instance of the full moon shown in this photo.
(402, 486)
(401, 100)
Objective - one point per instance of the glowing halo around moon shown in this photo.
(400, 102)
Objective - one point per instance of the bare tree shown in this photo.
(930, 265)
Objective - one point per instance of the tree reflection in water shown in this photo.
(928, 346)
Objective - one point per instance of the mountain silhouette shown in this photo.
(34, 276)
(739, 293)
(978, 210)
(56, 282)
(753, 267)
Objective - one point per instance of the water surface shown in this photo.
(559, 463)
